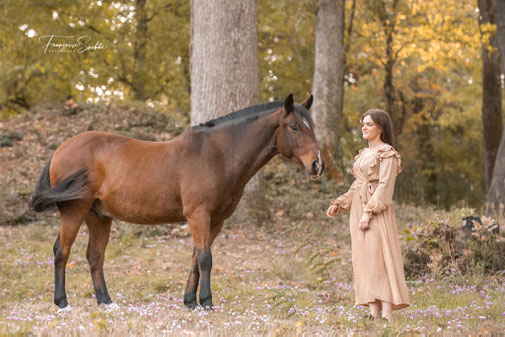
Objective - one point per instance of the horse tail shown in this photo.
(70, 188)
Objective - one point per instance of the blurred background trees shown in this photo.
(434, 66)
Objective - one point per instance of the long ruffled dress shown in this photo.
(376, 255)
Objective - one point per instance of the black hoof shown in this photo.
(61, 303)
(207, 305)
(106, 302)
(191, 305)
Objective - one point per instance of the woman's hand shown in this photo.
(332, 211)
(365, 220)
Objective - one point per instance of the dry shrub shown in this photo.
(440, 249)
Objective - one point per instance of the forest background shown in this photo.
(422, 61)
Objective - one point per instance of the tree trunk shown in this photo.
(425, 148)
(389, 89)
(224, 58)
(496, 194)
(394, 98)
(499, 10)
(139, 51)
(491, 92)
(328, 83)
(350, 27)
(225, 72)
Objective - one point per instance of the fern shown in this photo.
(317, 258)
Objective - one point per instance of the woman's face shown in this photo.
(369, 129)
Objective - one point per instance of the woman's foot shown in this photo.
(387, 311)
(375, 309)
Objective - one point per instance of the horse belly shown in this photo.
(142, 208)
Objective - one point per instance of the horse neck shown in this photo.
(253, 144)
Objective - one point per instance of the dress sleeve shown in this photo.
(345, 200)
(383, 195)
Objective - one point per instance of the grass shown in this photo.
(260, 286)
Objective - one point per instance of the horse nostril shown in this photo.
(315, 167)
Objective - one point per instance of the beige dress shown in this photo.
(376, 255)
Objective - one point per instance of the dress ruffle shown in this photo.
(359, 154)
(385, 152)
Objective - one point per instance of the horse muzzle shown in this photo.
(317, 167)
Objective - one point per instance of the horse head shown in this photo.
(295, 137)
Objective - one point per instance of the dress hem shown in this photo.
(396, 306)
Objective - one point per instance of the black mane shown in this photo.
(256, 111)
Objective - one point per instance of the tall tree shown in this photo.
(328, 83)
(225, 70)
(491, 88)
(388, 18)
(139, 50)
(496, 194)
(144, 64)
(499, 7)
(224, 58)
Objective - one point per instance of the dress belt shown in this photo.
(365, 190)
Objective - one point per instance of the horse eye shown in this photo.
(294, 127)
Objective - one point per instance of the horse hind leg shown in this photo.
(72, 215)
(99, 231)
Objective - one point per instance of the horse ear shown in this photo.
(288, 103)
(308, 102)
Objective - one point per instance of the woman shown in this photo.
(379, 280)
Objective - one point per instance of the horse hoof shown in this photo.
(191, 305)
(109, 307)
(68, 308)
(207, 306)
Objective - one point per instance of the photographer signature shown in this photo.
(68, 44)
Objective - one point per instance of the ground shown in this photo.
(259, 284)
(290, 276)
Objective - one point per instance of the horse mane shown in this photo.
(254, 111)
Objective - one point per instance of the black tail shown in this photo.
(71, 188)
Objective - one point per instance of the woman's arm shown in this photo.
(342, 203)
(383, 195)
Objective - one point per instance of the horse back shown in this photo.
(133, 180)
(152, 182)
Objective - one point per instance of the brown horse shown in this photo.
(198, 177)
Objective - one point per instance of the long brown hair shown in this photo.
(383, 121)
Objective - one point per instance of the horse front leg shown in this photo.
(200, 226)
(192, 285)
(194, 274)
(205, 265)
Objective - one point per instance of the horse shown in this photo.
(198, 177)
